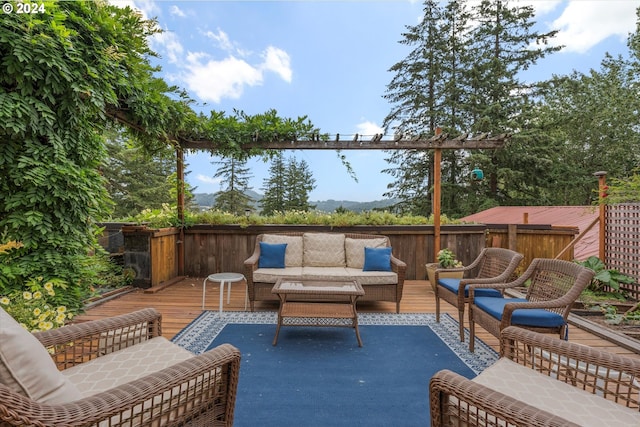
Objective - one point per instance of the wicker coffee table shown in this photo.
(324, 303)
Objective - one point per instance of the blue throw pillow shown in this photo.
(272, 255)
(377, 259)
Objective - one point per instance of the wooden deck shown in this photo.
(181, 303)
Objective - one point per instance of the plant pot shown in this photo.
(431, 273)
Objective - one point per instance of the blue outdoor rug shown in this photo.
(319, 377)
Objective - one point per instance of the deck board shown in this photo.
(181, 303)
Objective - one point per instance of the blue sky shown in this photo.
(329, 60)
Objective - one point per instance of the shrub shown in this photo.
(34, 309)
(167, 217)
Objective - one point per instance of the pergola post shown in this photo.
(180, 207)
(602, 193)
(435, 200)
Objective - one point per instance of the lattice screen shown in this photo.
(622, 241)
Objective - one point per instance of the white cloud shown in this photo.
(169, 43)
(584, 24)
(278, 61)
(175, 10)
(368, 128)
(214, 80)
(208, 179)
(221, 38)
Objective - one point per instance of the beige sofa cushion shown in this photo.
(27, 368)
(354, 249)
(323, 250)
(271, 275)
(293, 253)
(125, 365)
(556, 397)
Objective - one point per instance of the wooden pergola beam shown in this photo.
(488, 143)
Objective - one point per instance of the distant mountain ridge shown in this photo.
(206, 200)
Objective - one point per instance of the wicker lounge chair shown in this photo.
(89, 388)
(493, 265)
(553, 286)
(540, 380)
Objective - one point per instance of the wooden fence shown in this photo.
(532, 241)
(212, 249)
(153, 254)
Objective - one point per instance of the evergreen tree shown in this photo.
(299, 182)
(137, 180)
(462, 78)
(235, 179)
(426, 93)
(499, 100)
(288, 186)
(274, 186)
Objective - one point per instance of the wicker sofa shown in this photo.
(117, 371)
(326, 256)
(541, 380)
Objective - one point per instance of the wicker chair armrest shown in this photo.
(205, 384)
(456, 400)
(397, 264)
(148, 319)
(253, 259)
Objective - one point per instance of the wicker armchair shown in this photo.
(493, 265)
(552, 287)
(565, 384)
(199, 390)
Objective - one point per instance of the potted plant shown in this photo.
(446, 260)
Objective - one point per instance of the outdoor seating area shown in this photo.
(180, 304)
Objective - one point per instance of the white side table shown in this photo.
(223, 278)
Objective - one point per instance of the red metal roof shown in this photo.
(574, 216)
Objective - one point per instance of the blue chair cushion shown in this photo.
(535, 317)
(452, 285)
(272, 255)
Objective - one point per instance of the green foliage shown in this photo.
(447, 259)
(605, 281)
(35, 308)
(167, 217)
(137, 179)
(65, 77)
(611, 315)
(623, 190)
(60, 72)
(462, 76)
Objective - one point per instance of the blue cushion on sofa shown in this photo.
(377, 259)
(272, 255)
(523, 317)
(452, 284)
